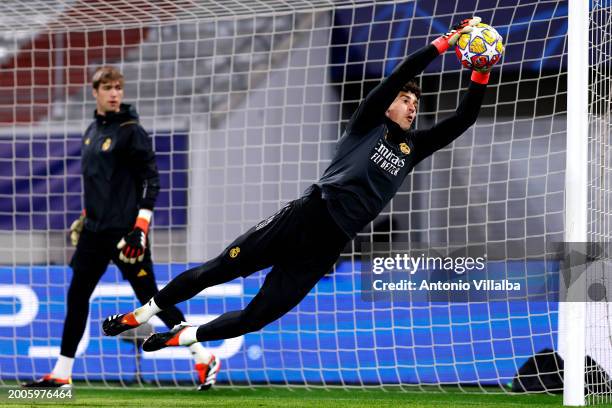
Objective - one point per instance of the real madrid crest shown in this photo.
(404, 148)
(234, 252)
(107, 143)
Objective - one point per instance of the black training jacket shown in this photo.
(119, 171)
(375, 155)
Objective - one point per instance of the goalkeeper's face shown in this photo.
(108, 96)
(403, 110)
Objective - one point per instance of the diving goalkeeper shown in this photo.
(303, 240)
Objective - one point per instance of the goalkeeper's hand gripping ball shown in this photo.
(449, 39)
(481, 48)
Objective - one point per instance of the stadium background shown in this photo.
(208, 197)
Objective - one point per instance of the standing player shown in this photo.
(121, 183)
(303, 240)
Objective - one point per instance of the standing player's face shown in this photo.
(403, 110)
(108, 97)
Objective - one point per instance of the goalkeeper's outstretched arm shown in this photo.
(428, 141)
(374, 106)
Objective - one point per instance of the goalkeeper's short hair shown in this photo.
(412, 86)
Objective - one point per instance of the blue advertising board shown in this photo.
(333, 336)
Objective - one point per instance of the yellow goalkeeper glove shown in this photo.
(76, 228)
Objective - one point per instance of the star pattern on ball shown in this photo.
(490, 52)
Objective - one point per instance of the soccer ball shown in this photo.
(481, 48)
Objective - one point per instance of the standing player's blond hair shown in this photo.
(104, 74)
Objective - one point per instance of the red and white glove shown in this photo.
(449, 39)
(132, 247)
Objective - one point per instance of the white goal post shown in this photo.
(585, 325)
(573, 314)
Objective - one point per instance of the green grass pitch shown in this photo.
(226, 396)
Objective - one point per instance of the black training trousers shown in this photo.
(93, 253)
(301, 242)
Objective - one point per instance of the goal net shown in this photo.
(245, 102)
(597, 322)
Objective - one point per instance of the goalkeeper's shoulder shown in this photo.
(136, 136)
(132, 126)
